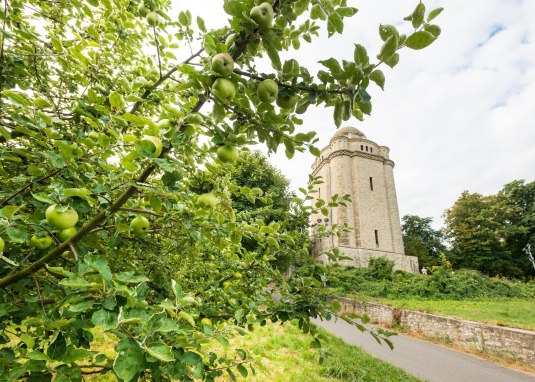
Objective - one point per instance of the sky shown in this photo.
(458, 115)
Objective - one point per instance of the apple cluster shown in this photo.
(62, 219)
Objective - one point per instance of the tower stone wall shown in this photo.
(352, 164)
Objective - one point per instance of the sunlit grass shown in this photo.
(282, 353)
(512, 312)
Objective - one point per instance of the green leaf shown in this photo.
(317, 13)
(378, 77)
(419, 40)
(130, 278)
(42, 197)
(159, 322)
(334, 24)
(17, 98)
(184, 18)
(347, 11)
(186, 317)
(434, 13)
(160, 351)
(242, 370)
(201, 25)
(105, 318)
(273, 53)
(218, 112)
(139, 121)
(338, 113)
(28, 340)
(117, 100)
(73, 354)
(58, 347)
(81, 306)
(433, 29)
(360, 55)
(100, 265)
(333, 65)
(418, 15)
(191, 358)
(66, 373)
(9, 211)
(79, 192)
(388, 48)
(314, 151)
(129, 359)
(385, 31)
(17, 235)
(392, 61)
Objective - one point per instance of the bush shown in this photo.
(379, 281)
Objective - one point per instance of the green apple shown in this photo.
(61, 218)
(262, 15)
(2, 245)
(140, 224)
(206, 322)
(143, 10)
(226, 284)
(287, 101)
(67, 233)
(153, 19)
(267, 91)
(224, 90)
(207, 200)
(41, 242)
(227, 153)
(237, 275)
(156, 142)
(222, 64)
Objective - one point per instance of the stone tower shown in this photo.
(354, 165)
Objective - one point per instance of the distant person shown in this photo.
(424, 271)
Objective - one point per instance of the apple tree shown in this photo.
(114, 218)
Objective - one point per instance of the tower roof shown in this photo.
(350, 132)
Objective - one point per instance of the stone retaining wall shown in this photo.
(516, 343)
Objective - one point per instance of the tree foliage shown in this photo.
(89, 90)
(421, 240)
(277, 207)
(488, 232)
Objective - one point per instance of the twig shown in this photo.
(23, 189)
(39, 294)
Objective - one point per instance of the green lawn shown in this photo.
(283, 353)
(512, 312)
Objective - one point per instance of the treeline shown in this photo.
(488, 233)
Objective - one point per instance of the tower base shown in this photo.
(360, 257)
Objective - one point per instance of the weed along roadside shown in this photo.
(512, 343)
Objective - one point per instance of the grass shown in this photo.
(511, 312)
(282, 353)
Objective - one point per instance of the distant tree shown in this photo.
(421, 240)
(521, 196)
(255, 172)
(479, 228)
(276, 207)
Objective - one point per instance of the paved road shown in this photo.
(426, 360)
